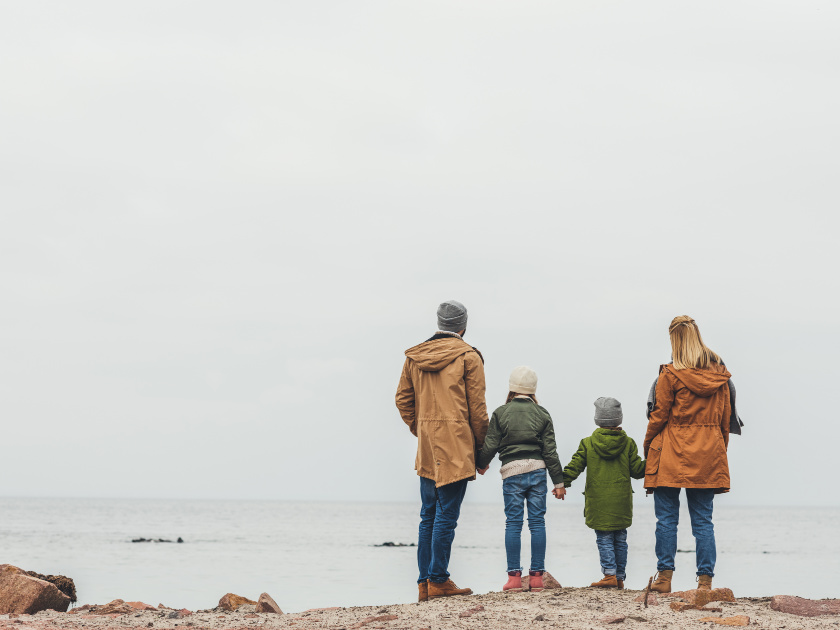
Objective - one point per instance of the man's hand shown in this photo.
(559, 493)
(481, 471)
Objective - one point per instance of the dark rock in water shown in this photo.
(64, 584)
(160, 540)
(22, 593)
(393, 544)
(180, 540)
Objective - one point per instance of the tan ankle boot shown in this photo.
(446, 589)
(608, 581)
(662, 583)
(704, 582)
(620, 584)
(423, 591)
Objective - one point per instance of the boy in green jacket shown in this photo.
(612, 458)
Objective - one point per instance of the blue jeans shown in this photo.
(531, 487)
(438, 520)
(667, 506)
(612, 547)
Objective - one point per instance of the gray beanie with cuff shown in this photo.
(608, 413)
(452, 316)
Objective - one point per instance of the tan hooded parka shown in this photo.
(688, 430)
(441, 399)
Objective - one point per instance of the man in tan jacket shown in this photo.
(441, 399)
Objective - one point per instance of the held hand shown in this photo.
(481, 471)
(559, 493)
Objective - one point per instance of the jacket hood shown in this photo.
(609, 443)
(702, 382)
(436, 354)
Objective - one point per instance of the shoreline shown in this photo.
(572, 608)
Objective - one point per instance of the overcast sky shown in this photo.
(223, 224)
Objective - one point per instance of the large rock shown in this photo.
(548, 582)
(231, 602)
(699, 597)
(805, 607)
(63, 583)
(267, 605)
(114, 607)
(22, 593)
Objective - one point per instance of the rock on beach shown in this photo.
(805, 607)
(22, 593)
(266, 604)
(232, 602)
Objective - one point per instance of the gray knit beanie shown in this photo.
(608, 412)
(452, 316)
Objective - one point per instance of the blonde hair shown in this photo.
(512, 395)
(687, 347)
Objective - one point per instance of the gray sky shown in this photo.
(223, 223)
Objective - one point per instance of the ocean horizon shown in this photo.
(320, 554)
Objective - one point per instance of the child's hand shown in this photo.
(559, 493)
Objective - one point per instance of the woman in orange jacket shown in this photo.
(685, 447)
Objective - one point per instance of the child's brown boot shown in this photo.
(608, 581)
(662, 583)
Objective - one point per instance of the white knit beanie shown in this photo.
(523, 380)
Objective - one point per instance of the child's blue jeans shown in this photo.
(532, 488)
(612, 547)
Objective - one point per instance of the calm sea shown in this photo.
(309, 555)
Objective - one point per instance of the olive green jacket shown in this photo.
(610, 458)
(522, 429)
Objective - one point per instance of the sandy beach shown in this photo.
(573, 608)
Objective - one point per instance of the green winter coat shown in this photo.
(611, 458)
(521, 429)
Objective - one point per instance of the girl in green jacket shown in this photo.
(611, 458)
(522, 433)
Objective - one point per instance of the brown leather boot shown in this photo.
(662, 583)
(608, 581)
(704, 582)
(446, 589)
(620, 584)
(423, 591)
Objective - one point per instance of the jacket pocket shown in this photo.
(654, 455)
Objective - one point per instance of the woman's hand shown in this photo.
(559, 493)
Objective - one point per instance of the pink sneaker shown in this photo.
(535, 581)
(514, 582)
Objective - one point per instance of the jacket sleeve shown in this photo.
(491, 443)
(405, 398)
(477, 405)
(637, 464)
(576, 466)
(725, 422)
(661, 410)
(549, 452)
